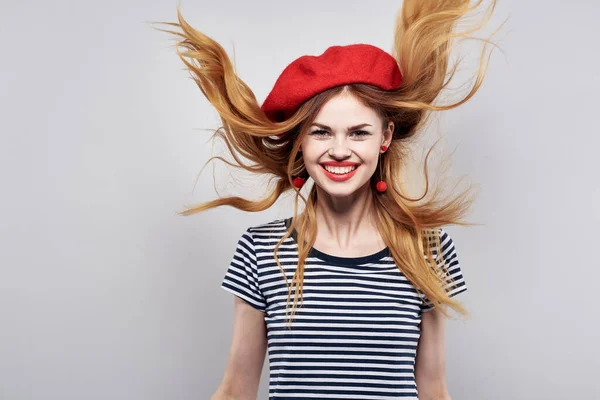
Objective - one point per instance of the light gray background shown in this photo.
(105, 293)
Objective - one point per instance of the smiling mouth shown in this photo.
(339, 170)
(339, 173)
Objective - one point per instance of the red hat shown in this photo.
(338, 65)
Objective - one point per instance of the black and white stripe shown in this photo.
(355, 336)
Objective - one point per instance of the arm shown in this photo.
(246, 355)
(430, 370)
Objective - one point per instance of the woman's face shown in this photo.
(341, 148)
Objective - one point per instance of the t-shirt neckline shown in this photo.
(371, 258)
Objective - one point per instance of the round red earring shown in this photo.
(298, 182)
(381, 186)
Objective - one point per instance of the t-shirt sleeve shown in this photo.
(454, 280)
(241, 278)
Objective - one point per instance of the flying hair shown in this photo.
(425, 32)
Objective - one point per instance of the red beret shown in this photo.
(338, 65)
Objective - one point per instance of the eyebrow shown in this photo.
(351, 128)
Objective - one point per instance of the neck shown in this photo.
(346, 219)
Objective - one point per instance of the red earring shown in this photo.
(298, 182)
(381, 185)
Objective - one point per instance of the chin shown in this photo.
(341, 190)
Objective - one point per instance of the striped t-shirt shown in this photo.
(356, 335)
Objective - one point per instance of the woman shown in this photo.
(349, 295)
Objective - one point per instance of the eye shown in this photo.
(360, 133)
(320, 132)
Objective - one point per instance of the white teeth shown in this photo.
(339, 170)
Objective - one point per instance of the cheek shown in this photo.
(370, 159)
(367, 154)
(313, 151)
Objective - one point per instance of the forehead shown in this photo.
(345, 109)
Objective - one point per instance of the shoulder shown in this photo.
(274, 225)
(446, 242)
(265, 231)
(439, 240)
(443, 249)
(449, 259)
(256, 239)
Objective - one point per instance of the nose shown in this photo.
(339, 150)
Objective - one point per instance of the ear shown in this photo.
(388, 133)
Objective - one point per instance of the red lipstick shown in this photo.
(340, 163)
(340, 177)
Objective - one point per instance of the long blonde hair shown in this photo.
(409, 226)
